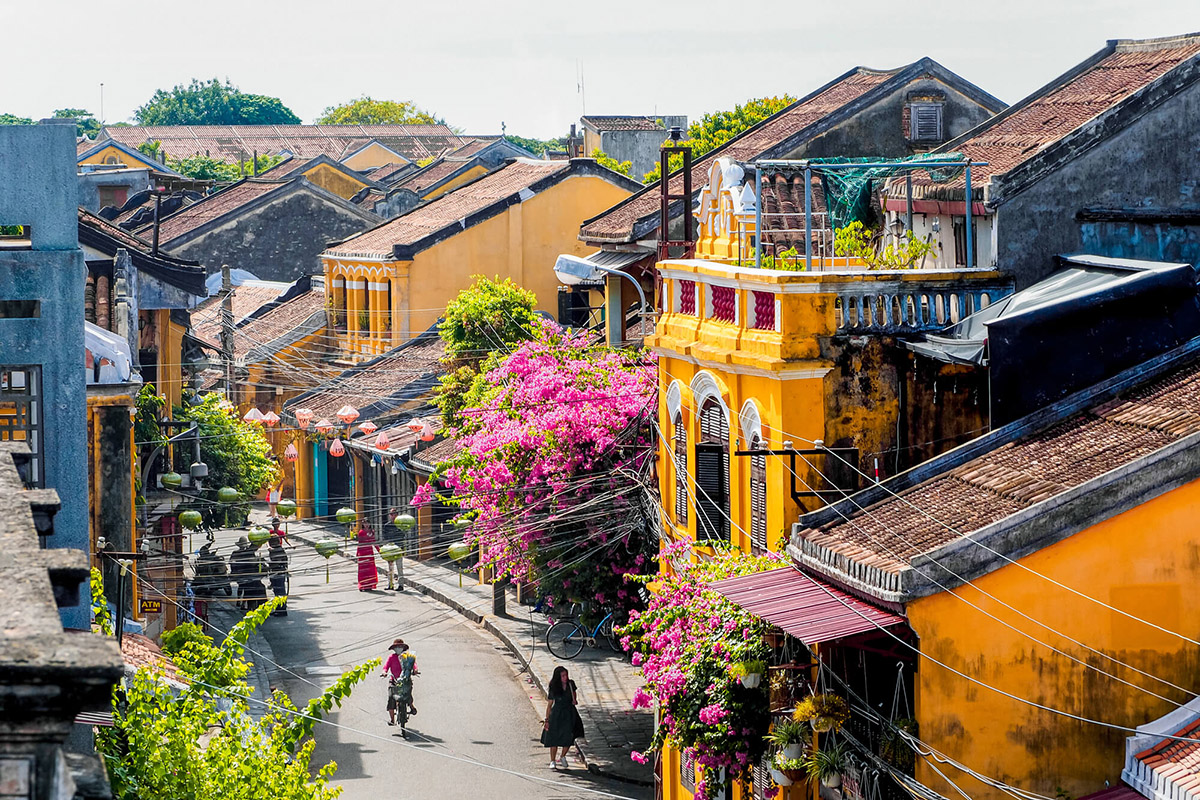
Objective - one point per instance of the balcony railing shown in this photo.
(912, 306)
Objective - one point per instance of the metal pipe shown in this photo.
(804, 164)
(970, 233)
(908, 216)
(808, 219)
(758, 218)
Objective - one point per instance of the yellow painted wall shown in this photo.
(331, 180)
(466, 177)
(1145, 562)
(170, 356)
(111, 155)
(372, 156)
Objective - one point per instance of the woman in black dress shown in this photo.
(559, 727)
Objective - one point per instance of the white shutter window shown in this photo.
(926, 122)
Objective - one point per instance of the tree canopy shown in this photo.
(85, 123)
(538, 146)
(368, 111)
(717, 128)
(213, 103)
(607, 161)
(13, 119)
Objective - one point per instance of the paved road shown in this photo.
(472, 705)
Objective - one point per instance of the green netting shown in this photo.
(848, 190)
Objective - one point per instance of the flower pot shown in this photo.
(831, 781)
(751, 680)
(779, 778)
(793, 750)
(822, 724)
(794, 775)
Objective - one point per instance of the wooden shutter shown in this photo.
(758, 499)
(687, 770)
(927, 122)
(712, 474)
(681, 472)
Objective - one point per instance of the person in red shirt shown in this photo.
(400, 667)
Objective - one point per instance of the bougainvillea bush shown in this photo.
(688, 643)
(556, 455)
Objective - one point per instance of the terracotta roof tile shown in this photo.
(623, 123)
(214, 206)
(432, 174)
(141, 652)
(1019, 474)
(277, 322)
(618, 223)
(380, 173)
(448, 209)
(438, 452)
(247, 298)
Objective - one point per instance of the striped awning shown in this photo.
(803, 606)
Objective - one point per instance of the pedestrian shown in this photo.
(275, 490)
(562, 722)
(400, 667)
(368, 575)
(391, 535)
(277, 565)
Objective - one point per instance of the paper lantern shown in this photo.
(190, 519)
(391, 552)
(462, 523)
(286, 508)
(253, 415)
(172, 480)
(258, 534)
(323, 426)
(303, 417)
(404, 522)
(337, 449)
(458, 551)
(326, 548)
(347, 414)
(426, 432)
(382, 441)
(368, 428)
(271, 418)
(416, 424)
(290, 452)
(346, 515)
(228, 494)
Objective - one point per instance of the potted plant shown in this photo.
(786, 771)
(826, 712)
(828, 765)
(789, 736)
(749, 672)
(893, 747)
(364, 321)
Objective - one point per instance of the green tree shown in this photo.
(13, 119)
(207, 168)
(491, 317)
(538, 146)
(368, 111)
(605, 160)
(180, 745)
(213, 103)
(85, 123)
(718, 127)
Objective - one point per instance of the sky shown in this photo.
(481, 63)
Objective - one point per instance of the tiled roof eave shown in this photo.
(868, 580)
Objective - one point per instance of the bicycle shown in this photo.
(566, 638)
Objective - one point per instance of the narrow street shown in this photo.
(477, 725)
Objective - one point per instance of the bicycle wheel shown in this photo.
(565, 638)
(614, 640)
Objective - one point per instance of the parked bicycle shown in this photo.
(566, 638)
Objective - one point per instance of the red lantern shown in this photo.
(323, 426)
(368, 428)
(290, 452)
(337, 449)
(271, 418)
(382, 442)
(253, 415)
(303, 417)
(347, 414)
(415, 424)
(426, 432)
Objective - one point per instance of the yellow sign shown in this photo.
(150, 606)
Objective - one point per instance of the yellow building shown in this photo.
(393, 281)
(323, 171)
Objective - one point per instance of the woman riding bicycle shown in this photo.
(400, 667)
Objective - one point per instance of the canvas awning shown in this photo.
(803, 606)
(612, 259)
(106, 356)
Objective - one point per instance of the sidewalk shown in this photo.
(606, 680)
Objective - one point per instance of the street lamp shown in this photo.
(573, 270)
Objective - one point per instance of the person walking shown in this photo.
(277, 566)
(560, 728)
(368, 574)
(399, 669)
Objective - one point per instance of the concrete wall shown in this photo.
(280, 241)
(39, 187)
(1151, 165)
(640, 147)
(135, 180)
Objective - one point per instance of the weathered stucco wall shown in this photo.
(281, 241)
(1149, 166)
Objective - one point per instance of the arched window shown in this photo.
(758, 498)
(681, 471)
(712, 473)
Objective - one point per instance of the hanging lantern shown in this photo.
(404, 522)
(190, 519)
(426, 432)
(303, 417)
(286, 508)
(368, 428)
(290, 452)
(326, 548)
(253, 415)
(271, 418)
(171, 480)
(391, 552)
(462, 523)
(382, 442)
(458, 551)
(258, 534)
(323, 426)
(228, 494)
(337, 449)
(415, 424)
(346, 515)
(347, 414)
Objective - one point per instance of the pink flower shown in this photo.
(642, 699)
(638, 757)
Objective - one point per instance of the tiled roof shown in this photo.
(83, 145)
(369, 198)
(380, 173)
(401, 438)
(124, 237)
(247, 298)
(214, 206)
(285, 167)
(623, 123)
(140, 652)
(99, 234)
(238, 142)
(1019, 133)
(472, 147)
(448, 209)
(438, 452)
(783, 209)
(278, 322)
(383, 385)
(618, 223)
(1017, 475)
(432, 174)
(1178, 763)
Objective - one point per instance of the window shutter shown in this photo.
(758, 500)
(681, 472)
(712, 502)
(927, 122)
(687, 770)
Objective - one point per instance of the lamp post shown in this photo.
(573, 270)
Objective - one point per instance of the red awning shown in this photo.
(807, 608)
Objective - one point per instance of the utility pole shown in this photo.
(227, 329)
